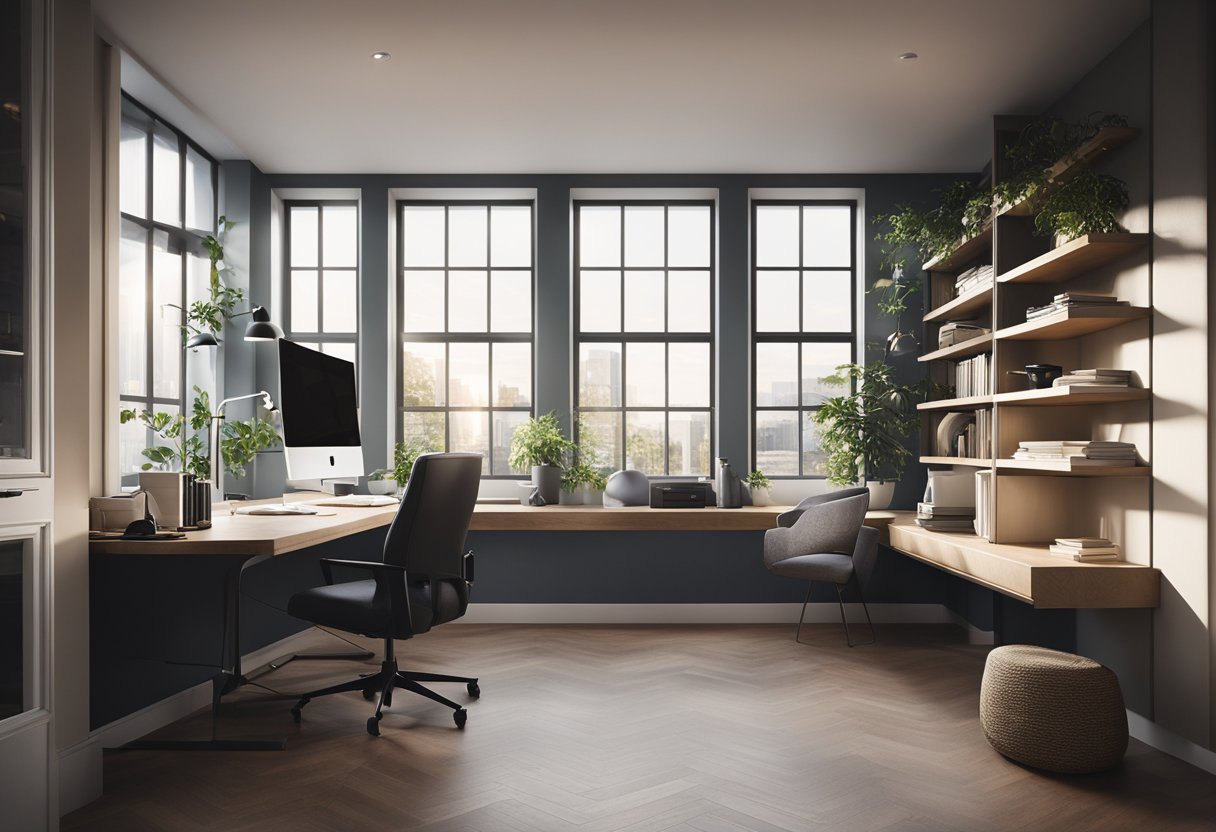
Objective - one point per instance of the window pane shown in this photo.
(599, 235)
(688, 375)
(688, 441)
(423, 430)
(341, 349)
(468, 238)
(599, 440)
(645, 442)
(814, 460)
(646, 375)
(776, 375)
(166, 323)
(304, 302)
(818, 362)
(503, 424)
(340, 228)
(469, 375)
(644, 235)
(688, 235)
(511, 301)
(200, 197)
(777, 442)
(599, 375)
(133, 437)
(166, 177)
(422, 235)
(467, 301)
(423, 373)
(600, 301)
(644, 301)
(827, 304)
(688, 310)
(304, 236)
(133, 171)
(512, 375)
(777, 235)
(470, 433)
(827, 235)
(341, 302)
(423, 301)
(510, 235)
(776, 301)
(132, 311)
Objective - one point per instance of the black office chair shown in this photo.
(423, 581)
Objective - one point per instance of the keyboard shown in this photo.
(277, 509)
(357, 501)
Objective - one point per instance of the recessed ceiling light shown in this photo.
(908, 56)
(381, 56)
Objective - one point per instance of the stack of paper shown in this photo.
(1085, 549)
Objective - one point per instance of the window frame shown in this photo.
(320, 268)
(798, 337)
(448, 338)
(624, 337)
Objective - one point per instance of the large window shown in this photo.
(803, 306)
(167, 188)
(465, 313)
(322, 289)
(643, 335)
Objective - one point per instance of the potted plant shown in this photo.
(582, 485)
(381, 482)
(539, 444)
(759, 487)
(862, 432)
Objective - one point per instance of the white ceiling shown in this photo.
(569, 86)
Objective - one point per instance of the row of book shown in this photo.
(1079, 452)
(975, 441)
(1085, 549)
(1068, 301)
(1100, 377)
(973, 376)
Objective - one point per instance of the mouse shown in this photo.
(140, 528)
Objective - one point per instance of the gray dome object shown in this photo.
(627, 488)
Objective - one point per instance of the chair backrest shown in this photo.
(428, 534)
(829, 527)
(789, 518)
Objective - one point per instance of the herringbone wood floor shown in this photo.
(716, 729)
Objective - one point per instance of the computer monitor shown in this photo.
(320, 414)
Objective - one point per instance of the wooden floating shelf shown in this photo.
(974, 346)
(1074, 258)
(1072, 323)
(964, 253)
(963, 403)
(1104, 141)
(962, 306)
(1074, 395)
(1069, 468)
(970, 462)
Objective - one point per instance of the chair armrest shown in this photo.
(394, 591)
(327, 565)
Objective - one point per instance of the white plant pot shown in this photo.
(591, 496)
(761, 496)
(571, 498)
(881, 494)
(382, 486)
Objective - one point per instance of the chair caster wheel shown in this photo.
(369, 694)
(474, 690)
(373, 726)
(460, 717)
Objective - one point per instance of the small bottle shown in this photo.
(730, 489)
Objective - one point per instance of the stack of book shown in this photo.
(1079, 452)
(1095, 378)
(1085, 549)
(972, 279)
(945, 518)
(1069, 301)
(973, 376)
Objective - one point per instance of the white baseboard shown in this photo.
(1150, 733)
(819, 613)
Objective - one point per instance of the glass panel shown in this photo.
(644, 302)
(776, 375)
(776, 301)
(503, 424)
(166, 321)
(132, 311)
(340, 307)
(827, 235)
(688, 375)
(422, 235)
(423, 375)
(469, 375)
(303, 229)
(600, 301)
(200, 197)
(467, 235)
(133, 170)
(512, 375)
(688, 235)
(342, 349)
(777, 235)
(470, 433)
(645, 442)
(645, 375)
(15, 662)
(423, 301)
(644, 235)
(166, 177)
(688, 443)
(423, 430)
(599, 375)
(467, 301)
(599, 235)
(511, 301)
(777, 442)
(818, 362)
(814, 460)
(340, 235)
(688, 310)
(599, 440)
(510, 236)
(304, 296)
(827, 303)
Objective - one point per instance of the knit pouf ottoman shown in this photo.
(1052, 710)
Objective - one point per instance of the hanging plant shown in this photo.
(211, 314)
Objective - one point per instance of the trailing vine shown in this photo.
(220, 306)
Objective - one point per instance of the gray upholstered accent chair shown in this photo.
(824, 538)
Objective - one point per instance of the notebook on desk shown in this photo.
(357, 501)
